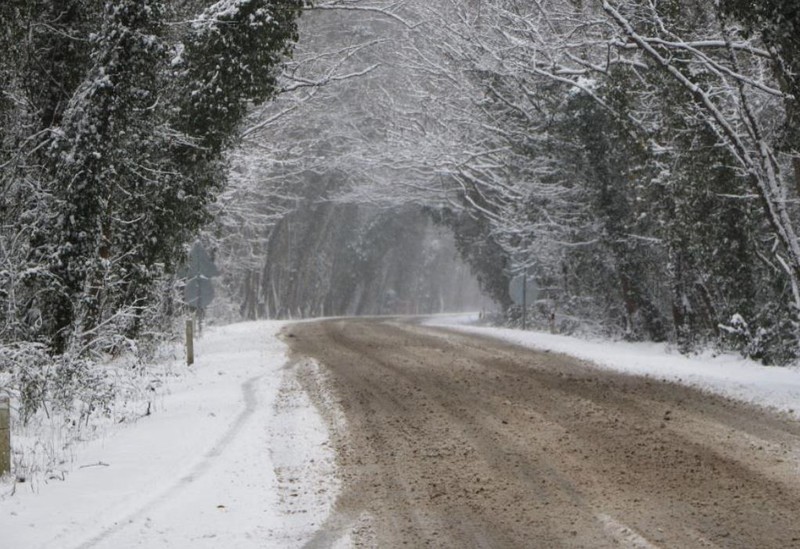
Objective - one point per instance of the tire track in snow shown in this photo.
(196, 471)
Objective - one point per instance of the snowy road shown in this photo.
(375, 433)
(450, 440)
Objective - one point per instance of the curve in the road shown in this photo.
(457, 441)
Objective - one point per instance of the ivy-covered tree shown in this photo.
(115, 147)
(102, 131)
(777, 24)
(225, 63)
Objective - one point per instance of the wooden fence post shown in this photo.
(189, 342)
(5, 436)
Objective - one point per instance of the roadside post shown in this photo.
(524, 300)
(5, 435)
(189, 342)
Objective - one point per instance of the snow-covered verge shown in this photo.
(234, 454)
(64, 411)
(726, 374)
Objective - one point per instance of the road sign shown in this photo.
(199, 263)
(523, 290)
(199, 291)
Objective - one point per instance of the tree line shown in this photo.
(640, 158)
(115, 119)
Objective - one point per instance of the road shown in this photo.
(449, 440)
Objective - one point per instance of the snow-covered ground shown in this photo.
(726, 374)
(235, 456)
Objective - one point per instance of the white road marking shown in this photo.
(624, 535)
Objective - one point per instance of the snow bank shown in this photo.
(219, 464)
(725, 374)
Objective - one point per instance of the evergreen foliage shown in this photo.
(116, 117)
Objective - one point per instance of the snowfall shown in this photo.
(234, 454)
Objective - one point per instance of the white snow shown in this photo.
(235, 456)
(725, 374)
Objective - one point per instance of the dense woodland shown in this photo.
(639, 158)
(116, 117)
